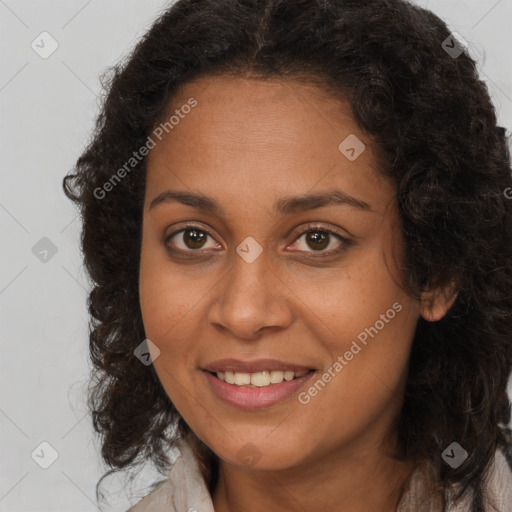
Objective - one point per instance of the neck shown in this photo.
(342, 482)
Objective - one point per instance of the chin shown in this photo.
(264, 455)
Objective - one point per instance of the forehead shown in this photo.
(260, 136)
(247, 113)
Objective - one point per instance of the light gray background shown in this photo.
(48, 107)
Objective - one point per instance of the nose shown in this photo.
(250, 300)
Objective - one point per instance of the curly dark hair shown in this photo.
(436, 131)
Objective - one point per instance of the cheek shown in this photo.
(171, 301)
(357, 294)
(166, 297)
(367, 367)
(164, 307)
(372, 321)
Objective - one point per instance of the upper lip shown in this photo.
(255, 365)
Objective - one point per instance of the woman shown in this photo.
(296, 221)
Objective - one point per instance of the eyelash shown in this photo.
(345, 242)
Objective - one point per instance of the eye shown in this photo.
(189, 239)
(318, 239)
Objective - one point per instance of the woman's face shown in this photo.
(285, 243)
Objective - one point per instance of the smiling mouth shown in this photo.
(258, 379)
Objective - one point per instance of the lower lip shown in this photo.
(255, 398)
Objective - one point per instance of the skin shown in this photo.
(247, 144)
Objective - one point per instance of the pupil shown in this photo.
(319, 239)
(195, 238)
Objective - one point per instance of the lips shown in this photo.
(255, 384)
(253, 398)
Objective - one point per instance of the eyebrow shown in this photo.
(284, 206)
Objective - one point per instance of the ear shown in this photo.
(435, 303)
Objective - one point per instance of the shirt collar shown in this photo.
(183, 491)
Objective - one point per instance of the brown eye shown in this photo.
(193, 238)
(316, 239)
(189, 239)
(313, 239)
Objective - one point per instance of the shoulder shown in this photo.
(183, 491)
(497, 487)
(497, 491)
(499, 482)
(159, 499)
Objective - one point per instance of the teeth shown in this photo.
(276, 376)
(242, 379)
(258, 379)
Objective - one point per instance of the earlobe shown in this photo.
(436, 303)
